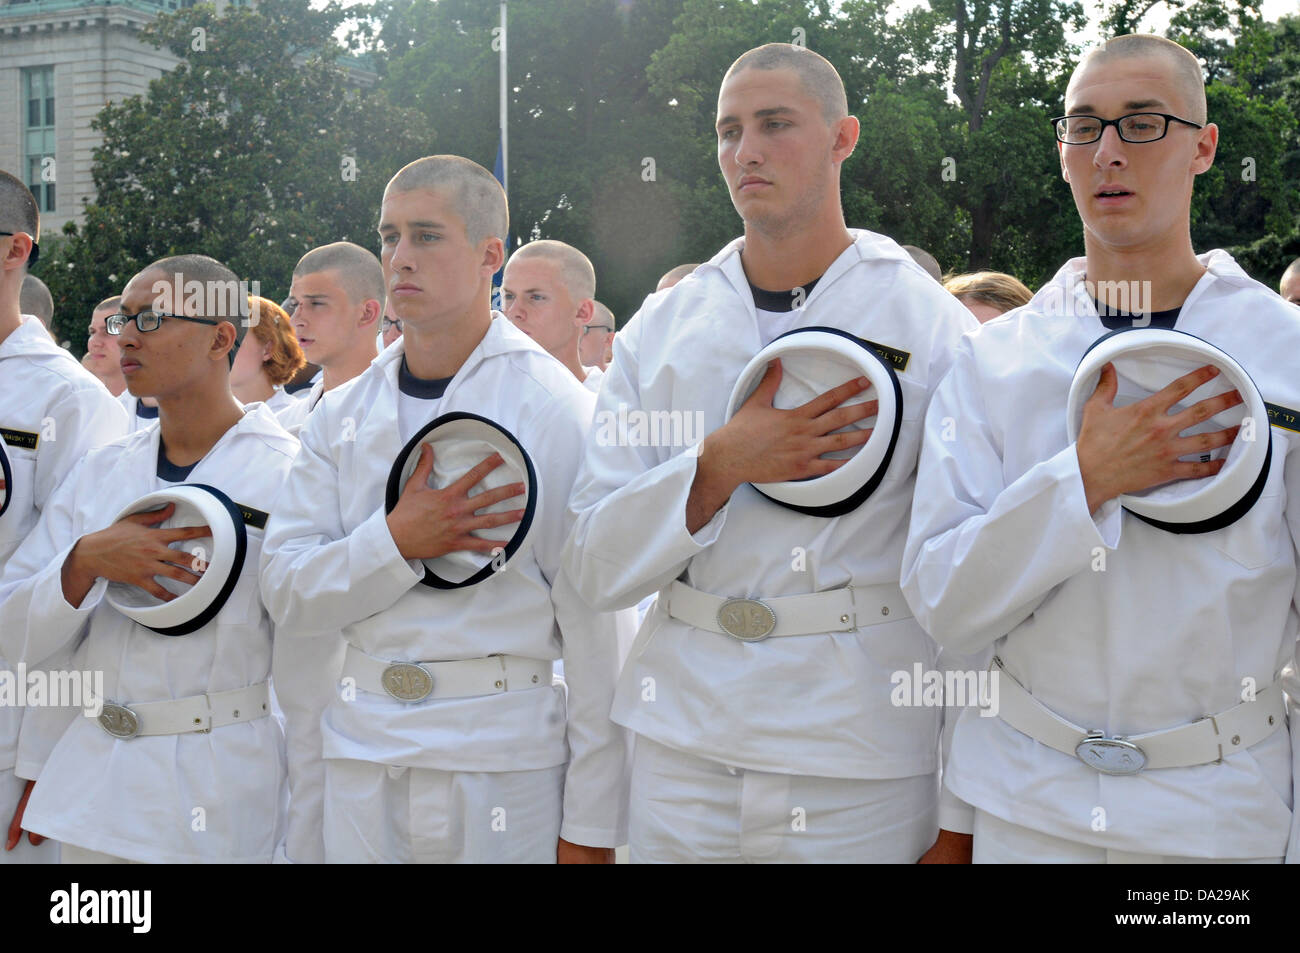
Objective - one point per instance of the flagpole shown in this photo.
(505, 150)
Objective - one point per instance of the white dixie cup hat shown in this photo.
(1147, 360)
(813, 361)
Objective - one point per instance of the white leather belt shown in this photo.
(1201, 742)
(181, 715)
(752, 620)
(416, 681)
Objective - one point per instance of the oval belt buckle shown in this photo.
(746, 619)
(119, 721)
(1110, 755)
(407, 681)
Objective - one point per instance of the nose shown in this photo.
(747, 152)
(1110, 149)
(401, 258)
(129, 336)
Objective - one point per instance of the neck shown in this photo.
(1155, 277)
(568, 356)
(250, 392)
(438, 349)
(10, 319)
(352, 363)
(115, 384)
(797, 255)
(192, 421)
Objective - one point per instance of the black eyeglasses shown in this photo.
(1135, 127)
(392, 323)
(147, 321)
(595, 327)
(34, 255)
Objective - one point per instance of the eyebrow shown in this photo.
(319, 297)
(389, 226)
(758, 114)
(1136, 104)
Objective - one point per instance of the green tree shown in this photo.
(254, 149)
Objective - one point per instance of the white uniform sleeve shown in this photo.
(982, 554)
(316, 577)
(36, 620)
(1291, 479)
(88, 417)
(597, 778)
(612, 567)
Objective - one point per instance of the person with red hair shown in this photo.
(268, 359)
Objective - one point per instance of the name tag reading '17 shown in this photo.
(1283, 417)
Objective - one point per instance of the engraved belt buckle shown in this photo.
(746, 619)
(119, 721)
(1110, 755)
(407, 681)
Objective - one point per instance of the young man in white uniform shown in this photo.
(103, 356)
(786, 749)
(339, 295)
(548, 291)
(207, 795)
(52, 410)
(593, 346)
(1018, 540)
(503, 775)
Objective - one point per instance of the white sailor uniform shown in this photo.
(497, 775)
(790, 748)
(1112, 624)
(52, 410)
(197, 796)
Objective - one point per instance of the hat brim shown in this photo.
(7, 473)
(197, 504)
(1149, 359)
(463, 569)
(815, 360)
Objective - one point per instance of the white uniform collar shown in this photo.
(502, 337)
(1068, 283)
(865, 247)
(30, 337)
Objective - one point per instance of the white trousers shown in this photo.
(377, 814)
(1001, 842)
(687, 809)
(11, 792)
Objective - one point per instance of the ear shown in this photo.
(20, 247)
(223, 342)
(370, 313)
(494, 256)
(1060, 151)
(586, 311)
(1207, 145)
(846, 138)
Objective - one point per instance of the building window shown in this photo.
(38, 90)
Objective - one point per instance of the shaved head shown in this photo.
(819, 78)
(572, 266)
(220, 297)
(604, 316)
(36, 299)
(475, 195)
(675, 275)
(1290, 285)
(108, 304)
(357, 268)
(1183, 69)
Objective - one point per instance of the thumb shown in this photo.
(423, 468)
(1107, 386)
(767, 387)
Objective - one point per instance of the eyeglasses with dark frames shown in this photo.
(147, 321)
(1135, 127)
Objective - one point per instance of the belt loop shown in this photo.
(853, 601)
(502, 685)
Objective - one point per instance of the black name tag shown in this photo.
(896, 358)
(254, 518)
(20, 438)
(1283, 417)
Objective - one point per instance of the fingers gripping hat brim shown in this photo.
(1147, 360)
(461, 441)
(221, 557)
(813, 361)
